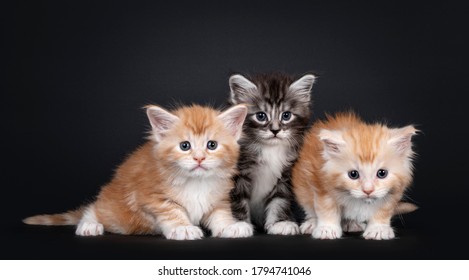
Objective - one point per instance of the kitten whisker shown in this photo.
(408, 198)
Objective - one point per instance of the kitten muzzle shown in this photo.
(199, 167)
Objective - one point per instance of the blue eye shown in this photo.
(212, 145)
(382, 173)
(185, 146)
(354, 175)
(261, 116)
(286, 116)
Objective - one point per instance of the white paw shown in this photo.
(353, 226)
(283, 228)
(185, 233)
(327, 232)
(237, 230)
(379, 232)
(89, 229)
(308, 226)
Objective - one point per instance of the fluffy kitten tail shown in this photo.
(64, 219)
(404, 208)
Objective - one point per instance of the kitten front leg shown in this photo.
(239, 197)
(222, 223)
(328, 214)
(172, 220)
(278, 215)
(377, 231)
(379, 226)
(310, 222)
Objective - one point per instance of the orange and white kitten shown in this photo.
(353, 173)
(178, 180)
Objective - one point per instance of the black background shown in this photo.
(77, 73)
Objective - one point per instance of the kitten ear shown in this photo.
(160, 120)
(301, 88)
(242, 89)
(332, 140)
(233, 119)
(401, 138)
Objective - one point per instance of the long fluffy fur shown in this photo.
(161, 189)
(262, 194)
(329, 197)
(63, 219)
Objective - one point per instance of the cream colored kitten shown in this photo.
(353, 173)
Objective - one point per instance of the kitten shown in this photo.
(352, 172)
(178, 180)
(279, 110)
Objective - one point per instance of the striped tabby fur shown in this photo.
(269, 147)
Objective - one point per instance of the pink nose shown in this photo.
(199, 159)
(368, 192)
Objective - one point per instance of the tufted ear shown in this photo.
(333, 142)
(161, 121)
(401, 138)
(242, 89)
(301, 88)
(233, 118)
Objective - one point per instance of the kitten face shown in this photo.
(197, 154)
(278, 106)
(368, 162)
(197, 141)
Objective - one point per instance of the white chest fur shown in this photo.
(198, 196)
(272, 161)
(359, 210)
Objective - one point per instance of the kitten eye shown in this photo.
(354, 175)
(382, 173)
(185, 146)
(212, 145)
(286, 116)
(261, 116)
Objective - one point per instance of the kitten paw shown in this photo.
(185, 233)
(379, 232)
(89, 229)
(237, 230)
(327, 232)
(353, 226)
(283, 228)
(308, 226)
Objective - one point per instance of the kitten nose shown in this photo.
(368, 192)
(275, 131)
(199, 159)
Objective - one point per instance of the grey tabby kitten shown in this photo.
(279, 111)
